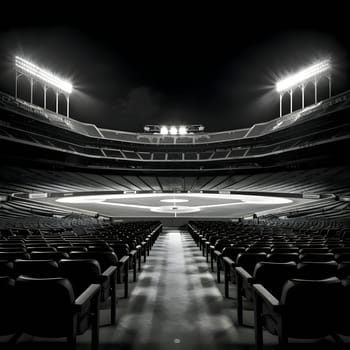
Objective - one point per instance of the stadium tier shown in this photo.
(314, 132)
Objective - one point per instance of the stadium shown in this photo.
(188, 238)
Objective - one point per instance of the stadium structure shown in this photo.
(275, 182)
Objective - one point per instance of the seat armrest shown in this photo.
(133, 252)
(124, 259)
(244, 274)
(228, 261)
(110, 271)
(217, 252)
(262, 293)
(89, 293)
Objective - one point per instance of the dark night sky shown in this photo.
(220, 71)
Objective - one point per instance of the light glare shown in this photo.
(164, 130)
(43, 75)
(303, 75)
(173, 130)
(182, 130)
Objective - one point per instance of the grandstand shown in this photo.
(220, 211)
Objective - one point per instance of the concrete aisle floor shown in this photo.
(176, 303)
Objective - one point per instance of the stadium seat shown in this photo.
(229, 256)
(270, 274)
(8, 305)
(35, 268)
(107, 259)
(49, 308)
(297, 313)
(56, 256)
(72, 268)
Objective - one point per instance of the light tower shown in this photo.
(46, 78)
(299, 80)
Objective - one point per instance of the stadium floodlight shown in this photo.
(35, 73)
(164, 130)
(173, 130)
(303, 76)
(182, 130)
(43, 75)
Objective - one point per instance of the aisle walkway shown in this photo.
(176, 302)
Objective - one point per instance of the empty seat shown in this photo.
(313, 250)
(71, 269)
(316, 257)
(283, 257)
(12, 256)
(343, 270)
(340, 257)
(229, 256)
(8, 306)
(41, 249)
(56, 256)
(284, 250)
(107, 259)
(69, 248)
(6, 268)
(49, 308)
(270, 274)
(341, 321)
(297, 313)
(317, 269)
(36, 268)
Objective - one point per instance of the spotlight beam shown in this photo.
(303, 75)
(41, 74)
(299, 79)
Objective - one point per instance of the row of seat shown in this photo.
(53, 292)
(297, 291)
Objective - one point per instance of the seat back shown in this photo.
(105, 259)
(232, 252)
(41, 249)
(343, 270)
(36, 268)
(6, 268)
(273, 275)
(99, 248)
(283, 257)
(259, 249)
(317, 269)
(12, 256)
(248, 261)
(69, 248)
(120, 249)
(8, 306)
(340, 257)
(313, 250)
(316, 257)
(72, 270)
(45, 306)
(220, 244)
(310, 306)
(284, 250)
(342, 324)
(56, 256)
